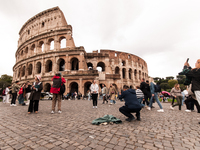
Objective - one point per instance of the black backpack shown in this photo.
(157, 88)
(62, 87)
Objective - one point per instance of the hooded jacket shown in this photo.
(55, 88)
(130, 99)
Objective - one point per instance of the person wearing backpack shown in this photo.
(154, 91)
(56, 89)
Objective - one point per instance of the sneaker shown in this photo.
(11, 105)
(171, 107)
(93, 106)
(96, 106)
(160, 110)
(148, 108)
(130, 119)
(59, 111)
(14, 105)
(52, 112)
(187, 110)
(111, 103)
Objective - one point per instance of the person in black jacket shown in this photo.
(131, 104)
(146, 90)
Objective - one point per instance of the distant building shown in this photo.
(46, 46)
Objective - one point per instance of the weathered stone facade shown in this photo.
(46, 46)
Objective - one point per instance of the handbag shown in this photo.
(21, 90)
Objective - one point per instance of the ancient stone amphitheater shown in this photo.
(46, 46)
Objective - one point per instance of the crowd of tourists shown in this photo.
(135, 99)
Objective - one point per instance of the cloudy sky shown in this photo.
(163, 33)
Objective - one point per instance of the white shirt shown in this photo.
(7, 91)
(94, 87)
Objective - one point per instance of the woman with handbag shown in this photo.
(21, 94)
(35, 95)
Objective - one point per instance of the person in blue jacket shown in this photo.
(132, 104)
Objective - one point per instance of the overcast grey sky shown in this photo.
(163, 33)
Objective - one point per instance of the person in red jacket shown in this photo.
(58, 81)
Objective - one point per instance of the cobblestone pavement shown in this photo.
(72, 129)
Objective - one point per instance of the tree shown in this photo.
(172, 83)
(164, 86)
(181, 79)
(5, 80)
(170, 78)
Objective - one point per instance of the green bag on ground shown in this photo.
(106, 118)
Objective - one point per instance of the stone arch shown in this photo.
(48, 66)
(74, 63)
(26, 51)
(90, 66)
(38, 67)
(130, 73)
(135, 73)
(63, 42)
(23, 71)
(61, 64)
(101, 65)
(30, 69)
(73, 87)
(41, 46)
(143, 75)
(47, 87)
(123, 63)
(19, 70)
(87, 86)
(124, 73)
(51, 44)
(33, 49)
(117, 70)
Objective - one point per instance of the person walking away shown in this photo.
(21, 94)
(139, 95)
(176, 93)
(154, 93)
(112, 93)
(132, 105)
(55, 89)
(35, 95)
(28, 92)
(15, 89)
(94, 91)
(143, 87)
(104, 92)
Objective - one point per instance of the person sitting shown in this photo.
(131, 104)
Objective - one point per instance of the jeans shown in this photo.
(157, 100)
(56, 97)
(183, 99)
(178, 99)
(21, 99)
(127, 112)
(140, 100)
(112, 101)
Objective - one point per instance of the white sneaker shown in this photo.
(111, 103)
(11, 105)
(171, 107)
(59, 111)
(14, 105)
(187, 110)
(160, 110)
(93, 106)
(96, 106)
(52, 112)
(148, 108)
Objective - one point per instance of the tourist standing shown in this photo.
(4, 95)
(94, 91)
(28, 92)
(7, 92)
(56, 90)
(35, 95)
(176, 93)
(104, 93)
(143, 87)
(15, 89)
(21, 94)
(112, 93)
(155, 96)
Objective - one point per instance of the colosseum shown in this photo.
(46, 46)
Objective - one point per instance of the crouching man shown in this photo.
(132, 104)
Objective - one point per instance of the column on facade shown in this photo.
(56, 43)
(81, 89)
(46, 45)
(67, 63)
(43, 67)
(54, 67)
(26, 70)
(81, 65)
(34, 68)
(66, 86)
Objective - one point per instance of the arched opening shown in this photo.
(74, 64)
(48, 66)
(61, 64)
(30, 68)
(124, 73)
(63, 42)
(73, 87)
(90, 66)
(101, 65)
(19, 73)
(135, 74)
(123, 63)
(33, 49)
(26, 50)
(87, 87)
(38, 67)
(139, 75)
(41, 46)
(47, 87)
(52, 44)
(116, 70)
(130, 73)
(143, 75)
(23, 71)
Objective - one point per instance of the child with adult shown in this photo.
(94, 91)
(132, 105)
(176, 93)
(35, 95)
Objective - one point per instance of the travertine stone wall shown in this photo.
(46, 46)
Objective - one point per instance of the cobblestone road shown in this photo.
(72, 129)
